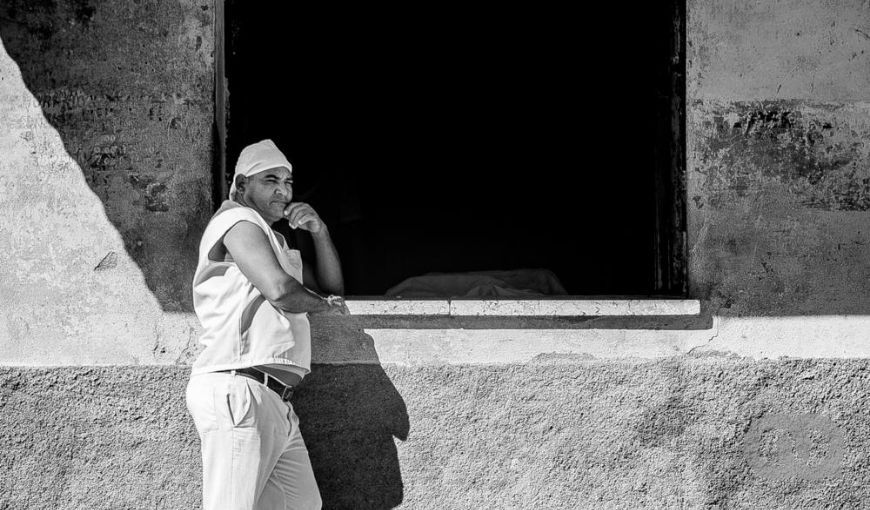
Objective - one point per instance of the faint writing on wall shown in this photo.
(802, 446)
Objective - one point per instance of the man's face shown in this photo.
(269, 192)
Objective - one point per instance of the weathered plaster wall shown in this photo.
(681, 433)
(779, 156)
(105, 137)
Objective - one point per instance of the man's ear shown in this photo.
(241, 180)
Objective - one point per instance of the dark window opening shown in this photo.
(436, 138)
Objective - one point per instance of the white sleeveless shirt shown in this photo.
(242, 329)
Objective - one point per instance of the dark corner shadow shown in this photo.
(132, 99)
(349, 415)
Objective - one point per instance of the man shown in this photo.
(252, 294)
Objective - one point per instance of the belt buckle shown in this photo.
(287, 393)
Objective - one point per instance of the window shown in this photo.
(468, 138)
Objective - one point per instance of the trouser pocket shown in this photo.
(237, 401)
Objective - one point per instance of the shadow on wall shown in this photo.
(128, 87)
(349, 416)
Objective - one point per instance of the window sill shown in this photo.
(547, 307)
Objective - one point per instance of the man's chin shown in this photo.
(277, 208)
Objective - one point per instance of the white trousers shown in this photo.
(253, 456)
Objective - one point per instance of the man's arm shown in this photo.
(250, 249)
(328, 266)
(327, 270)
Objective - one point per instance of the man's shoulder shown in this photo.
(233, 210)
(231, 213)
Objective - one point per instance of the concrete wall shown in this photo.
(105, 165)
(779, 156)
(688, 433)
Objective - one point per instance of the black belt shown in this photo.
(283, 391)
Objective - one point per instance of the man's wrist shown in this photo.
(334, 300)
(323, 233)
(333, 303)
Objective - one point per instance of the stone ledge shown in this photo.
(374, 306)
(589, 307)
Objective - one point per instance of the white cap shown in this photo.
(259, 157)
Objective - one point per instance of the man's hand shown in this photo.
(302, 215)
